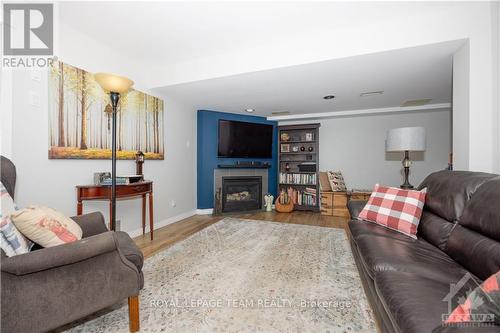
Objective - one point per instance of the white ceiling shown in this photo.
(162, 33)
(405, 74)
(180, 40)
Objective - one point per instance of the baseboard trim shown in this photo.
(206, 211)
(162, 223)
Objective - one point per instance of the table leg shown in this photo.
(143, 214)
(79, 207)
(110, 213)
(151, 227)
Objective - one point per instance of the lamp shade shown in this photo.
(113, 83)
(405, 138)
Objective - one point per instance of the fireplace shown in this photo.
(241, 193)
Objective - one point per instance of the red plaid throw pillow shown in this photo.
(481, 304)
(395, 209)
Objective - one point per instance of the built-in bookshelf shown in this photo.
(298, 170)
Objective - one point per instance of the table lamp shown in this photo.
(115, 85)
(406, 139)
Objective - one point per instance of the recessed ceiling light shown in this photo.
(249, 110)
(371, 93)
(328, 97)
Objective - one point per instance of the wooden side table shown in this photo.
(103, 192)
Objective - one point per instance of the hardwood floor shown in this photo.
(175, 232)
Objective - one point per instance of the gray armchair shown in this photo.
(50, 287)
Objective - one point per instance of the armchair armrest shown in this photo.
(355, 207)
(60, 255)
(91, 224)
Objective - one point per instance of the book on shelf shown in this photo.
(297, 178)
(302, 197)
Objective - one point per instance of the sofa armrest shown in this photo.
(355, 207)
(60, 255)
(91, 224)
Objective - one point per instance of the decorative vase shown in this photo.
(283, 208)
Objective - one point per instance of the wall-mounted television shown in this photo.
(245, 140)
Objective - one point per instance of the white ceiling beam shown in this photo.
(347, 113)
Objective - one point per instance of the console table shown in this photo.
(103, 192)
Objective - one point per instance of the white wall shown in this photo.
(496, 80)
(52, 182)
(6, 114)
(356, 146)
(461, 109)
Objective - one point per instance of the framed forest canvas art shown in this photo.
(80, 119)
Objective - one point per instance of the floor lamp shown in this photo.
(406, 139)
(115, 85)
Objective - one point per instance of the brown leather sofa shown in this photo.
(47, 288)
(412, 283)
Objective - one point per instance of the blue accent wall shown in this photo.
(207, 160)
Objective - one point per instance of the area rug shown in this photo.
(248, 276)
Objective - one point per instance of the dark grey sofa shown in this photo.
(50, 287)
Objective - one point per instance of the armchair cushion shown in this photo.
(61, 255)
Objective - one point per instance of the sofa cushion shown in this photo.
(386, 250)
(477, 253)
(435, 229)
(448, 191)
(482, 212)
(416, 303)
(129, 250)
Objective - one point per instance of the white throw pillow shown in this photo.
(46, 226)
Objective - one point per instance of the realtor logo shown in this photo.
(28, 29)
(462, 293)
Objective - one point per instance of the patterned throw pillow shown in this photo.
(337, 182)
(483, 303)
(46, 226)
(394, 208)
(11, 240)
(7, 205)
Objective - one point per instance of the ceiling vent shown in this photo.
(371, 93)
(280, 113)
(417, 102)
